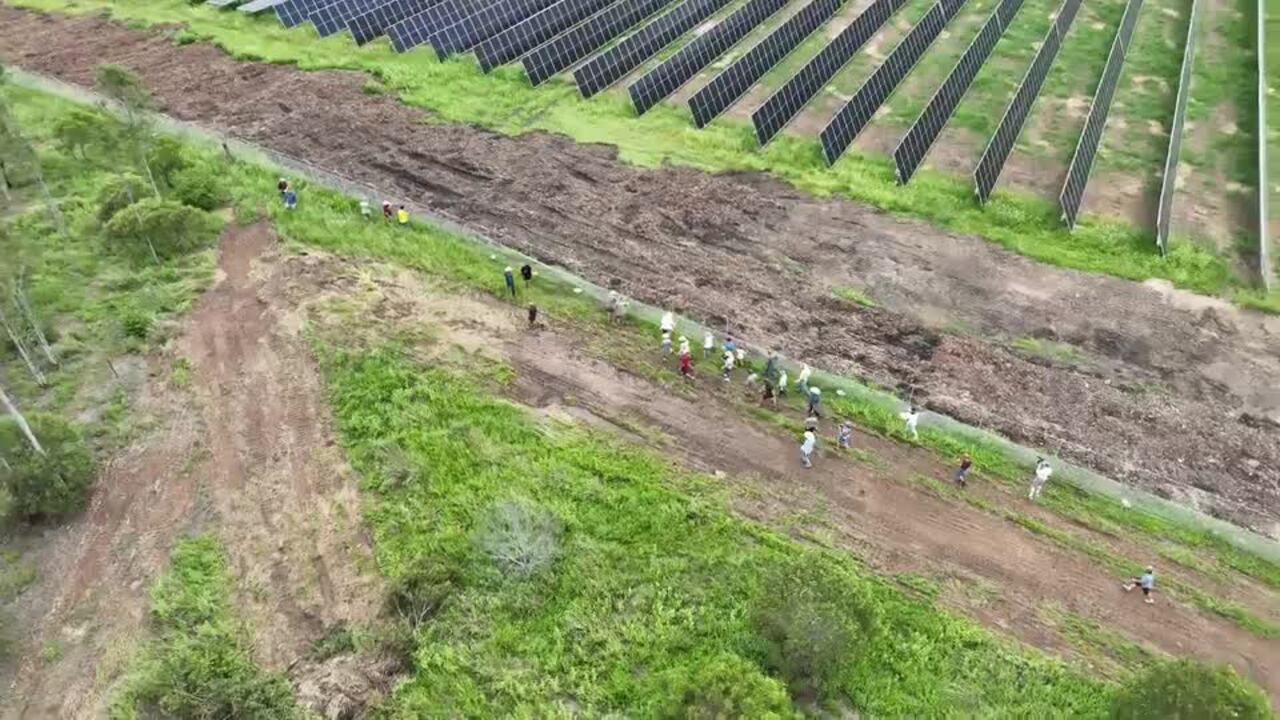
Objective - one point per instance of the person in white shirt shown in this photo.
(912, 416)
(806, 448)
(684, 345)
(782, 382)
(668, 321)
(666, 342)
(708, 343)
(728, 364)
(1043, 471)
(803, 381)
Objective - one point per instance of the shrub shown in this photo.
(809, 631)
(120, 191)
(726, 686)
(418, 593)
(1188, 690)
(48, 485)
(135, 323)
(166, 158)
(81, 129)
(165, 227)
(518, 536)
(200, 186)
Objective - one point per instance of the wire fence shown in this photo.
(1169, 181)
(1265, 267)
(1076, 475)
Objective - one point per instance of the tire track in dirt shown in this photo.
(1184, 398)
(246, 452)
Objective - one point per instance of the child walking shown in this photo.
(844, 435)
(962, 472)
(912, 416)
(806, 448)
(1147, 581)
(1043, 471)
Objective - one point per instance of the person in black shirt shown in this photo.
(526, 272)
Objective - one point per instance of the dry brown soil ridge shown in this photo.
(1175, 393)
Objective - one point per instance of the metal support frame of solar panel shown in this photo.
(292, 13)
(1168, 182)
(474, 29)
(849, 121)
(581, 41)
(365, 28)
(725, 89)
(1091, 137)
(613, 64)
(915, 144)
(333, 17)
(1265, 268)
(678, 69)
(515, 41)
(221, 3)
(786, 103)
(256, 6)
(1015, 115)
(412, 32)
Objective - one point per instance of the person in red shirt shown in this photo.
(962, 472)
(686, 364)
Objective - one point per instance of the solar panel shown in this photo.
(854, 116)
(915, 144)
(675, 71)
(519, 39)
(333, 18)
(725, 89)
(412, 32)
(608, 67)
(464, 34)
(1001, 142)
(1087, 149)
(787, 102)
(257, 6)
(292, 13)
(370, 25)
(588, 37)
(1169, 181)
(220, 3)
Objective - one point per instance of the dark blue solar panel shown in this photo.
(675, 71)
(333, 17)
(790, 99)
(292, 13)
(519, 39)
(412, 32)
(370, 25)
(854, 116)
(586, 38)
(725, 89)
(916, 143)
(464, 34)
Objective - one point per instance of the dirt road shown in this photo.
(1175, 393)
(245, 451)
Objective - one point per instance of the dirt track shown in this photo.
(1178, 394)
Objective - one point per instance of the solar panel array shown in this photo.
(1001, 142)
(608, 67)
(676, 70)
(920, 137)
(370, 25)
(332, 18)
(1087, 149)
(466, 33)
(519, 39)
(790, 99)
(412, 32)
(725, 89)
(292, 13)
(1169, 182)
(256, 6)
(586, 38)
(854, 116)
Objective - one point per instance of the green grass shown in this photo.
(199, 662)
(653, 574)
(855, 296)
(1118, 656)
(1058, 352)
(457, 92)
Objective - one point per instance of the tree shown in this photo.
(81, 128)
(1188, 690)
(122, 86)
(167, 158)
(54, 481)
(21, 422)
(162, 228)
(16, 151)
(200, 186)
(723, 687)
(11, 331)
(119, 191)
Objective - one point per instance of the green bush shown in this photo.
(135, 323)
(1188, 690)
(419, 592)
(81, 129)
(48, 485)
(200, 186)
(120, 191)
(163, 227)
(724, 687)
(166, 158)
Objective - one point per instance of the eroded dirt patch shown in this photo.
(764, 258)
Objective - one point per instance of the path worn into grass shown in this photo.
(870, 504)
(1178, 394)
(246, 451)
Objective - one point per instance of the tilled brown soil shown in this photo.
(1176, 393)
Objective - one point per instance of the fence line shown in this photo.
(1264, 182)
(1081, 477)
(1169, 183)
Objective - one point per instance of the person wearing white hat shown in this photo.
(803, 381)
(815, 400)
(1043, 471)
(668, 322)
(684, 345)
(728, 364)
(708, 343)
(912, 416)
(806, 447)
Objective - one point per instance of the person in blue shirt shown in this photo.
(1147, 581)
(508, 277)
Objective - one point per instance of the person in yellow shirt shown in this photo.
(402, 216)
